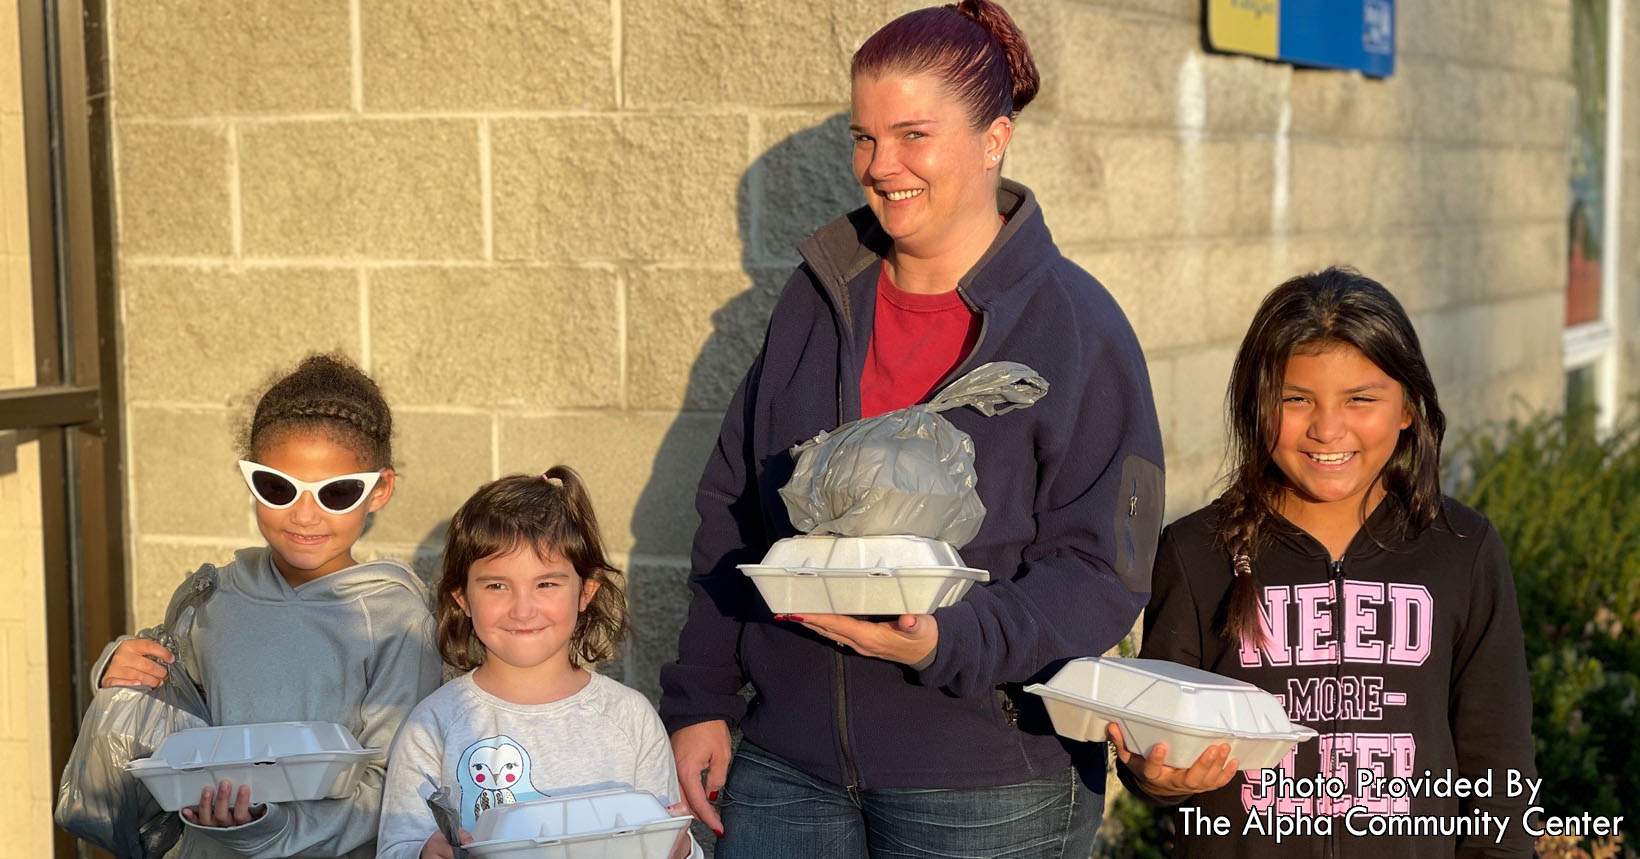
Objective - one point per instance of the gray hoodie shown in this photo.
(354, 647)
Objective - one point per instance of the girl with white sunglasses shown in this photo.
(297, 630)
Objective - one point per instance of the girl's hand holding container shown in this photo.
(1211, 771)
(220, 807)
(438, 847)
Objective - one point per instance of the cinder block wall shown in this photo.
(553, 230)
(25, 725)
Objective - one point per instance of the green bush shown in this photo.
(1567, 503)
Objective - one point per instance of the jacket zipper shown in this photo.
(839, 661)
(845, 348)
(1336, 569)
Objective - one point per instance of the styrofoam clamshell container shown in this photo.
(861, 575)
(1156, 701)
(604, 824)
(281, 761)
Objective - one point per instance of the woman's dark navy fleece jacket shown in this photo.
(1073, 495)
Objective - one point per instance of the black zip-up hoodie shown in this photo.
(1432, 675)
(1073, 494)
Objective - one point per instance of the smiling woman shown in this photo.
(909, 737)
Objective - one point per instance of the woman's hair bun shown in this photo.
(1021, 67)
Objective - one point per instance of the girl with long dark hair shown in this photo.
(1335, 575)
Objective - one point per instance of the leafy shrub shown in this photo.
(1567, 502)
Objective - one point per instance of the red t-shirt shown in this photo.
(915, 341)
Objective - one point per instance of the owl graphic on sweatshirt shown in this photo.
(494, 771)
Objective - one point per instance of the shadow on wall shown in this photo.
(10, 441)
(426, 557)
(789, 191)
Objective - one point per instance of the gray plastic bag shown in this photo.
(97, 799)
(442, 803)
(908, 471)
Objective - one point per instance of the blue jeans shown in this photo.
(772, 811)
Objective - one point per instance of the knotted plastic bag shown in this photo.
(908, 471)
(97, 799)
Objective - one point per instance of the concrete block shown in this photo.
(14, 240)
(1486, 184)
(503, 336)
(17, 329)
(25, 514)
(21, 591)
(1194, 479)
(1505, 261)
(184, 481)
(801, 180)
(441, 459)
(691, 335)
(658, 599)
(642, 469)
(644, 187)
(1130, 71)
(1528, 35)
(1067, 166)
(487, 55)
(1456, 102)
(1160, 367)
(1235, 276)
(1188, 10)
(1161, 292)
(1043, 24)
(1258, 167)
(1325, 182)
(159, 565)
(30, 815)
(1095, 189)
(11, 94)
(1354, 187)
(1200, 377)
(743, 52)
(1330, 103)
(1244, 95)
(193, 58)
(1413, 266)
(380, 188)
(217, 335)
(174, 191)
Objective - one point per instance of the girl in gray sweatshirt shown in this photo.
(526, 601)
(297, 630)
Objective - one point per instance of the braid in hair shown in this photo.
(326, 393)
(1243, 520)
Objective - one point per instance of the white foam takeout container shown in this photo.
(1156, 701)
(861, 575)
(281, 761)
(604, 824)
